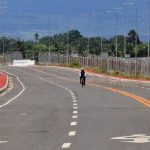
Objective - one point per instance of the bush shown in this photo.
(74, 64)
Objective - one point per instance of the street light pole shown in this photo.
(3, 48)
(136, 42)
(116, 38)
(49, 27)
(125, 39)
(101, 33)
(148, 29)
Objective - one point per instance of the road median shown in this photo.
(3, 81)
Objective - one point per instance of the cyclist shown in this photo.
(82, 74)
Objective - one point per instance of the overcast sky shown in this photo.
(22, 18)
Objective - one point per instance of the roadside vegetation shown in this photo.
(73, 42)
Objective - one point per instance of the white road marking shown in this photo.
(72, 133)
(74, 117)
(73, 123)
(75, 112)
(3, 142)
(74, 101)
(75, 107)
(135, 138)
(9, 101)
(23, 114)
(66, 145)
(3, 110)
(75, 104)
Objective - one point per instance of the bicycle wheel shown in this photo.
(82, 82)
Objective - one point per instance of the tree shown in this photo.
(120, 42)
(36, 36)
(132, 37)
(142, 50)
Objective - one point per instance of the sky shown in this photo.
(22, 18)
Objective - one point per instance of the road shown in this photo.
(47, 109)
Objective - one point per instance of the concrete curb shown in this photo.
(6, 85)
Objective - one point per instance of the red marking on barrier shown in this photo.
(3, 80)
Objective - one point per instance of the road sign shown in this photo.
(104, 54)
(135, 138)
(127, 55)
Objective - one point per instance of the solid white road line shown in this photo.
(23, 89)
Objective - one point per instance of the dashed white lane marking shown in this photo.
(73, 123)
(74, 117)
(75, 112)
(66, 145)
(75, 104)
(75, 107)
(24, 114)
(72, 133)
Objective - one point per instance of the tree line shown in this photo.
(73, 42)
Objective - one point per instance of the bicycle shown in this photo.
(83, 81)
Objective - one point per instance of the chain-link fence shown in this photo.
(129, 67)
(8, 58)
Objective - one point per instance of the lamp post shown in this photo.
(116, 38)
(125, 39)
(3, 47)
(88, 40)
(101, 18)
(136, 21)
(148, 54)
(49, 30)
(68, 38)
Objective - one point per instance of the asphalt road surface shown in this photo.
(47, 109)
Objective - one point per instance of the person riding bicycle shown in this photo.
(82, 74)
